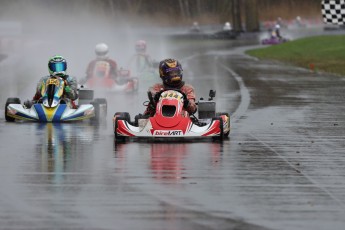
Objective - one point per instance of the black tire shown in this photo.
(96, 107)
(139, 116)
(118, 137)
(226, 114)
(120, 116)
(11, 100)
(221, 136)
(124, 115)
(102, 101)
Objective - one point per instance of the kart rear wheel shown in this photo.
(11, 100)
(139, 116)
(102, 102)
(96, 107)
(124, 115)
(226, 114)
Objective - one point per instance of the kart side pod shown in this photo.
(207, 109)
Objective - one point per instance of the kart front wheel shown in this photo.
(226, 134)
(120, 116)
(221, 135)
(12, 100)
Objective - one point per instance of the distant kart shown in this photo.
(172, 121)
(274, 41)
(51, 107)
(225, 34)
(102, 79)
(195, 30)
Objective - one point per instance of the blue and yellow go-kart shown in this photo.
(51, 107)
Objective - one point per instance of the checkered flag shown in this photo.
(333, 11)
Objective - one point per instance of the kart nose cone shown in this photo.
(168, 113)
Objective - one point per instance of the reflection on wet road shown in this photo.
(281, 168)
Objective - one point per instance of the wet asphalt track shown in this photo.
(281, 168)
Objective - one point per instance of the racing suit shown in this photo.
(277, 31)
(92, 65)
(187, 89)
(140, 63)
(71, 93)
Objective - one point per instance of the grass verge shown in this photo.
(320, 53)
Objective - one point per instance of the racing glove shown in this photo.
(67, 89)
(157, 96)
(185, 103)
(185, 100)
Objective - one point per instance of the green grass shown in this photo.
(325, 53)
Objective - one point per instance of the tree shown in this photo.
(236, 16)
(251, 15)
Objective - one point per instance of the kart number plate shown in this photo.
(171, 95)
(53, 82)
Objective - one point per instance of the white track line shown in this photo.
(242, 109)
(245, 95)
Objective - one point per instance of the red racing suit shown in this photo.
(140, 63)
(92, 64)
(185, 88)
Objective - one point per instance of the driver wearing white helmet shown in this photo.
(101, 51)
(277, 30)
(227, 26)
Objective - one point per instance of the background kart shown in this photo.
(102, 79)
(172, 121)
(274, 41)
(51, 107)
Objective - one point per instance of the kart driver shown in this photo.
(227, 26)
(101, 51)
(171, 72)
(195, 27)
(57, 66)
(277, 31)
(141, 61)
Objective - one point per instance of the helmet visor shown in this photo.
(57, 67)
(174, 76)
(174, 72)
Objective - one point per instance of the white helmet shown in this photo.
(140, 46)
(101, 49)
(227, 26)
